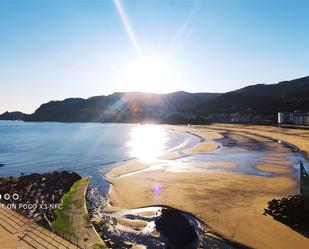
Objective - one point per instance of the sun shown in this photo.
(150, 74)
(139, 146)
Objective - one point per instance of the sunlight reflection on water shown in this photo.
(147, 142)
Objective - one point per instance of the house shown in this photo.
(295, 118)
(285, 117)
(301, 118)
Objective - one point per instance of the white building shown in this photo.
(285, 117)
(296, 118)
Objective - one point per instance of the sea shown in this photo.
(90, 149)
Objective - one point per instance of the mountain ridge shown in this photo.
(12, 115)
(118, 107)
(262, 100)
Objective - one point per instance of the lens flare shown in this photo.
(127, 25)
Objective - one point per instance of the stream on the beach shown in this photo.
(241, 156)
(155, 227)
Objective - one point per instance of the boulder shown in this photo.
(176, 227)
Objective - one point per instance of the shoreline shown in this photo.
(283, 186)
(229, 204)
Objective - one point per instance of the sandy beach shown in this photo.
(230, 203)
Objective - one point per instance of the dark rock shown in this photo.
(38, 189)
(176, 227)
(290, 211)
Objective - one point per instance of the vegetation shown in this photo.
(261, 99)
(99, 246)
(73, 221)
(62, 222)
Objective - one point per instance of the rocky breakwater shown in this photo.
(36, 195)
(290, 211)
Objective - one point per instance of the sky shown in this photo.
(52, 50)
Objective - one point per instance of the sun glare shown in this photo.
(147, 142)
(149, 74)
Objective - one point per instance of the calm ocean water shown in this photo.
(87, 148)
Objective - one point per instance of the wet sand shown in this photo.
(274, 169)
(203, 147)
(296, 137)
(230, 203)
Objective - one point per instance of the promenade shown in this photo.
(18, 232)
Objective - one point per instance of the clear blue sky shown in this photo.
(59, 49)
